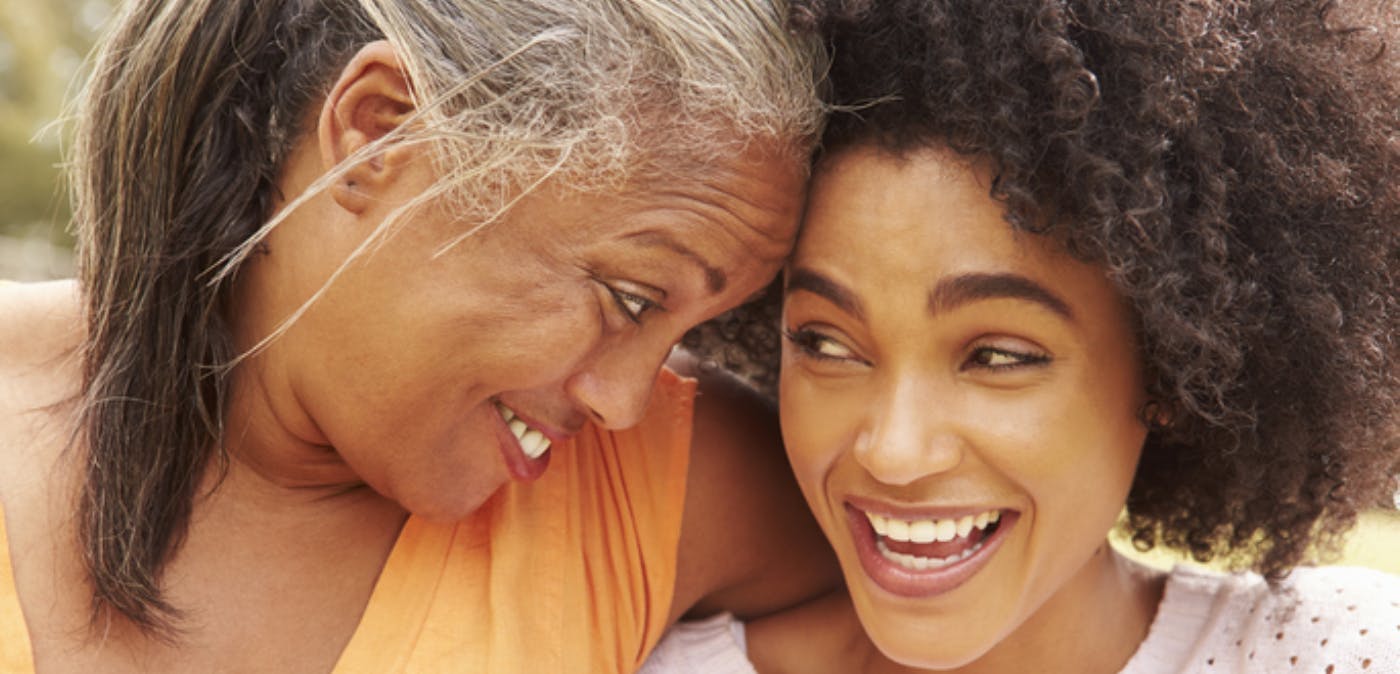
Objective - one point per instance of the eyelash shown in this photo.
(623, 299)
(808, 343)
(981, 355)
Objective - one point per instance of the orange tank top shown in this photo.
(15, 656)
(572, 573)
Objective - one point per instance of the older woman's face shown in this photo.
(959, 403)
(436, 378)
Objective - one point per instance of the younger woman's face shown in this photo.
(959, 400)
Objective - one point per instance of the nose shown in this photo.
(910, 434)
(615, 386)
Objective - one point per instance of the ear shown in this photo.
(372, 98)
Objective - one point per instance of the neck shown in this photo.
(291, 570)
(282, 523)
(286, 492)
(270, 436)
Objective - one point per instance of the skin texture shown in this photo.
(564, 311)
(906, 397)
(1232, 164)
(748, 543)
(378, 401)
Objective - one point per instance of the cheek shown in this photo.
(532, 340)
(1107, 412)
(1065, 441)
(816, 425)
(1068, 445)
(797, 433)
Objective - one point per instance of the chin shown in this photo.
(447, 503)
(923, 644)
(922, 653)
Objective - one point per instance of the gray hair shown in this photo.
(193, 107)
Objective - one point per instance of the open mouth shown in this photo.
(527, 449)
(924, 544)
(532, 442)
(922, 556)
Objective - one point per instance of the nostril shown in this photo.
(595, 416)
(609, 395)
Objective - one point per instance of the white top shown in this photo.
(714, 645)
(1327, 620)
(1320, 619)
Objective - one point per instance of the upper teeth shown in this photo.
(930, 530)
(532, 441)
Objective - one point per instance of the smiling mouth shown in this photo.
(533, 443)
(921, 555)
(920, 545)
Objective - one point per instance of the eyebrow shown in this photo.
(817, 284)
(956, 291)
(715, 278)
(948, 294)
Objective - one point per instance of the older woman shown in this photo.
(352, 274)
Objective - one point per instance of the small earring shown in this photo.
(1155, 415)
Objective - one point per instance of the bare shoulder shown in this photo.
(748, 543)
(40, 336)
(41, 331)
(39, 324)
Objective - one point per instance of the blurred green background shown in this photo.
(42, 47)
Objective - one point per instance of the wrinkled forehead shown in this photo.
(752, 196)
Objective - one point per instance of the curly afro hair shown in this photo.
(1232, 165)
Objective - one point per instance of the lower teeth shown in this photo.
(917, 563)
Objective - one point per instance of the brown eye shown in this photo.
(1004, 359)
(813, 344)
(631, 304)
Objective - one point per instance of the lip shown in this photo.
(866, 505)
(914, 583)
(522, 468)
(554, 434)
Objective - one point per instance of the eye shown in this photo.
(995, 358)
(813, 344)
(634, 306)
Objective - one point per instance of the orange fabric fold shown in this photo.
(571, 573)
(16, 656)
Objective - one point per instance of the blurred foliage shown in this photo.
(1374, 543)
(42, 47)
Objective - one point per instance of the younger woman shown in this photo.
(1067, 257)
